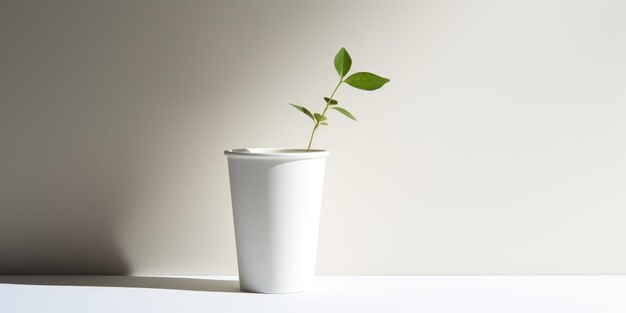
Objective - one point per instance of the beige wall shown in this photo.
(498, 147)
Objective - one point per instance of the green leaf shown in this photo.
(343, 62)
(303, 110)
(366, 81)
(344, 112)
(319, 117)
(324, 123)
(332, 102)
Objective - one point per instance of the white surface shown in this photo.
(276, 200)
(498, 147)
(427, 294)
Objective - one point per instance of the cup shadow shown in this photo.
(173, 283)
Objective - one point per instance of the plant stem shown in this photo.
(317, 123)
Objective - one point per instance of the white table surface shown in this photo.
(463, 294)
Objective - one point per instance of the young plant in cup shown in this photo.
(277, 196)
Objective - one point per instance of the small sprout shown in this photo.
(360, 80)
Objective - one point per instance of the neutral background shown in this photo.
(499, 146)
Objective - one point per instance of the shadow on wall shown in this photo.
(72, 235)
(101, 104)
